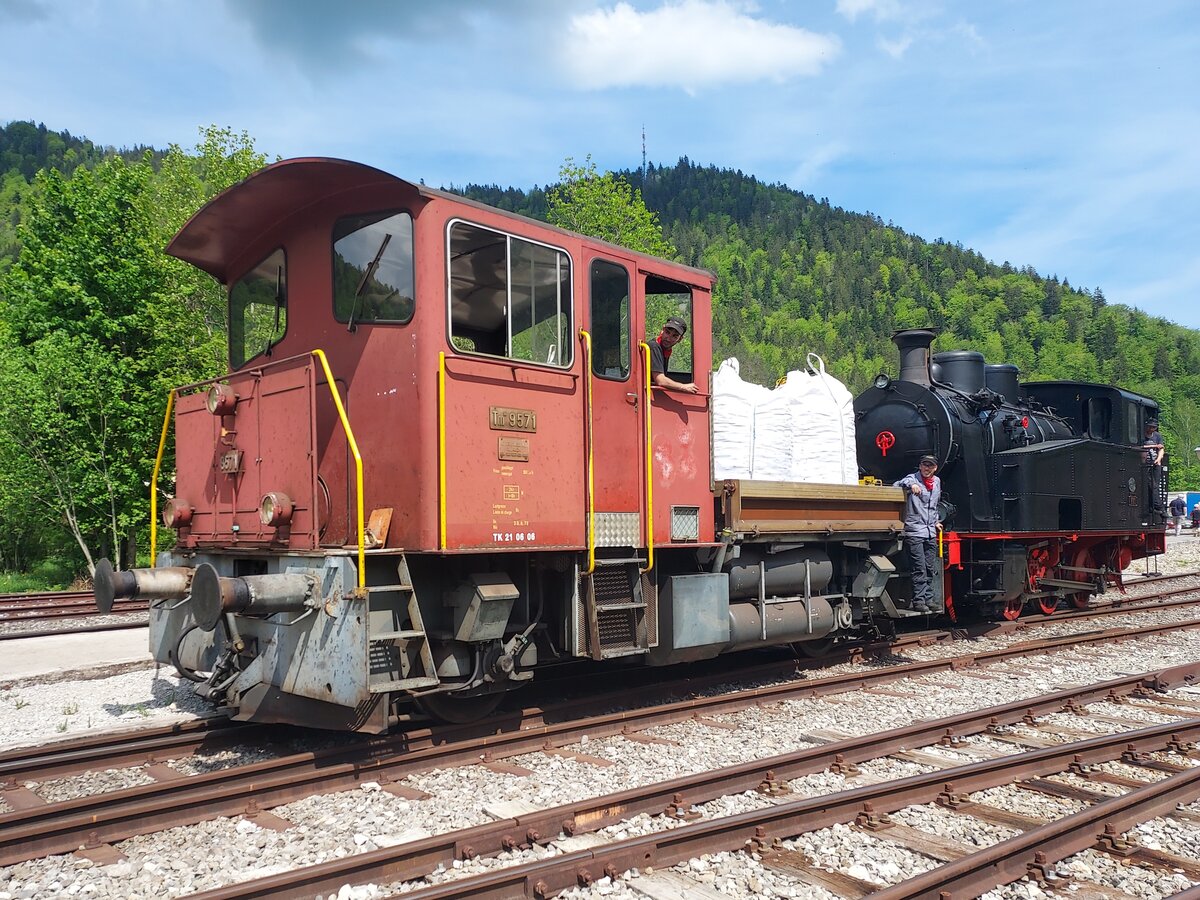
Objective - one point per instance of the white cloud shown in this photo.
(895, 49)
(689, 44)
(879, 9)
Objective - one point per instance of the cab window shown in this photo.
(610, 320)
(373, 268)
(1134, 417)
(1099, 418)
(509, 297)
(258, 309)
(666, 298)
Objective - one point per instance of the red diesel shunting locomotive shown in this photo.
(438, 461)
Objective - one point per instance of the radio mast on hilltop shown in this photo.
(643, 153)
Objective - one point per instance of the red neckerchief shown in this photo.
(929, 483)
(666, 351)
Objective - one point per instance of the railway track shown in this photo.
(74, 756)
(22, 614)
(761, 830)
(35, 827)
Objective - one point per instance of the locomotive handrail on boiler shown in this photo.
(495, 501)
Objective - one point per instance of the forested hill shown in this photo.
(26, 149)
(796, 274)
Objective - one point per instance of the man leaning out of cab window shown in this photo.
(660, 355)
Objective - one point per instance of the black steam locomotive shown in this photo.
(1047, 491)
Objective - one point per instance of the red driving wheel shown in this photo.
(1084, 559)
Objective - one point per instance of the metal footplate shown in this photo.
(619, 605)
(400, 658)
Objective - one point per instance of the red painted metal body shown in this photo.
(289, 437)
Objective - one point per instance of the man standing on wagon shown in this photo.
(923, 490)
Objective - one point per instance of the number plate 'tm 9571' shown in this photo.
(505, 418)
(231, 461)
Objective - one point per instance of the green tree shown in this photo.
(65, 436)
(98, 325)
(606, 207)
(83, 303)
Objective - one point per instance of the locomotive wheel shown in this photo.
(814, 649)
(1012, 609)
(1048, 605)
(1084, 559)
(460, 710)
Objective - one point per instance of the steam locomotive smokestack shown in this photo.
(913, 344)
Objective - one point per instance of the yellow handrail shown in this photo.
(358, 472)
(591, 483)
(162, 444)
(649, 466)
(442, 450)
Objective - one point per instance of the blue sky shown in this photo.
(1059, 134)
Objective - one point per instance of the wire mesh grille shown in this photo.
(685, 523)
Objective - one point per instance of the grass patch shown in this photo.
(40, 580)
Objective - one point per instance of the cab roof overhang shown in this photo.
(216, 236)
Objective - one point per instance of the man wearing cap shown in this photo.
(660, 354)
(923, 490)
(1153, 444)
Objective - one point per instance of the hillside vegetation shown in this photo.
(96, 323)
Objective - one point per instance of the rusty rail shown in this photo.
(540, 879)
(61, 827)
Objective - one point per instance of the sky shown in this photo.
(1058, 134)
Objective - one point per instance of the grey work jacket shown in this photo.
(920, 510)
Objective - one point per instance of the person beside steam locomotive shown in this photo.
(923, 491)
(1155, 450)
(1178, 510)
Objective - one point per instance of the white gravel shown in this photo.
(39, 712)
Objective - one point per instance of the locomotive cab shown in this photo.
(436, 459)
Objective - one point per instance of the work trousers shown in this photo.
(923, 563)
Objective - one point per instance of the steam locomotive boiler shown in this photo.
(1048, 496)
